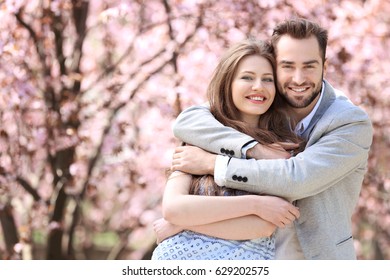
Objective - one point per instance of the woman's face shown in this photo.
(253, 88)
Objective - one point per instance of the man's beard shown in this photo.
(302, 102)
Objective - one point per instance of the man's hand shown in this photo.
(275, 151)
(193, 160)
(165, 229)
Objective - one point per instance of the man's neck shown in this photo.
(299, 114)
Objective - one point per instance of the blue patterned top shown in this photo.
(188, 245)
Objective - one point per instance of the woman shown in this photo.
(241, 95)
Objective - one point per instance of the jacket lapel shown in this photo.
(328, 98)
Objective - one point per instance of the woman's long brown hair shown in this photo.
(274, 125)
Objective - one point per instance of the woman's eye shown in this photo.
(246, 78)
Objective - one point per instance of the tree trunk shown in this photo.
(54, 244)
(10, 232)
(64, 159)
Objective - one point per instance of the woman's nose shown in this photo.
(257, 84)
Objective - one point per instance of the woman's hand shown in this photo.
(276, 210)
(165, 229)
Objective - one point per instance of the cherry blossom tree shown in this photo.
(89, 91)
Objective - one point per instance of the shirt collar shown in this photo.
(304, 123)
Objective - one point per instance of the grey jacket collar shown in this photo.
(327, 100)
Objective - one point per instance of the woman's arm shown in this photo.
(186, 210)
(242, 228)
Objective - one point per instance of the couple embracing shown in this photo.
(281, 158)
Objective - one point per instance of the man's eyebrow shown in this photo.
(311, 62)
(305, 63)
(286, 62)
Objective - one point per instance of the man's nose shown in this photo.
(298, 77)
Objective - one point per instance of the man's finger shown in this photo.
(288, 145)
(176, 155)
(179, 149)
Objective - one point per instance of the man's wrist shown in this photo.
(246, 147)
(213, 158)
(253, 152)
(221, 163)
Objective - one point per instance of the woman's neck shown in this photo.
(251, 121)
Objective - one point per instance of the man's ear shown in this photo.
(325, 65)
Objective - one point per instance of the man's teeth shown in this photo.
(298, 89)
(257, 98)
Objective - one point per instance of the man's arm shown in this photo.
(338, 148)
(198, 127)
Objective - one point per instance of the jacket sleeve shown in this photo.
(197, 126)
(337, 150)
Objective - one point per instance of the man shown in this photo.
(324, 180)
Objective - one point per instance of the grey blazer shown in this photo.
(325, 179)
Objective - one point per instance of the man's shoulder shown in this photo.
(342, 104)
(343, 111)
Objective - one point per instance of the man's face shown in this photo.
(299, 71)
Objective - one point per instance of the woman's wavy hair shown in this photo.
(274, 125)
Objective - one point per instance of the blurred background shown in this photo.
(89, 92)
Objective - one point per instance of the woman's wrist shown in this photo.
(253, 202)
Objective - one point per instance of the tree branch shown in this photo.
(27, 187)
(40, 49)
(38, 43)
(80, 15)
(57, 28)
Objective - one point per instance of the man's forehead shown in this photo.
(298, 50)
